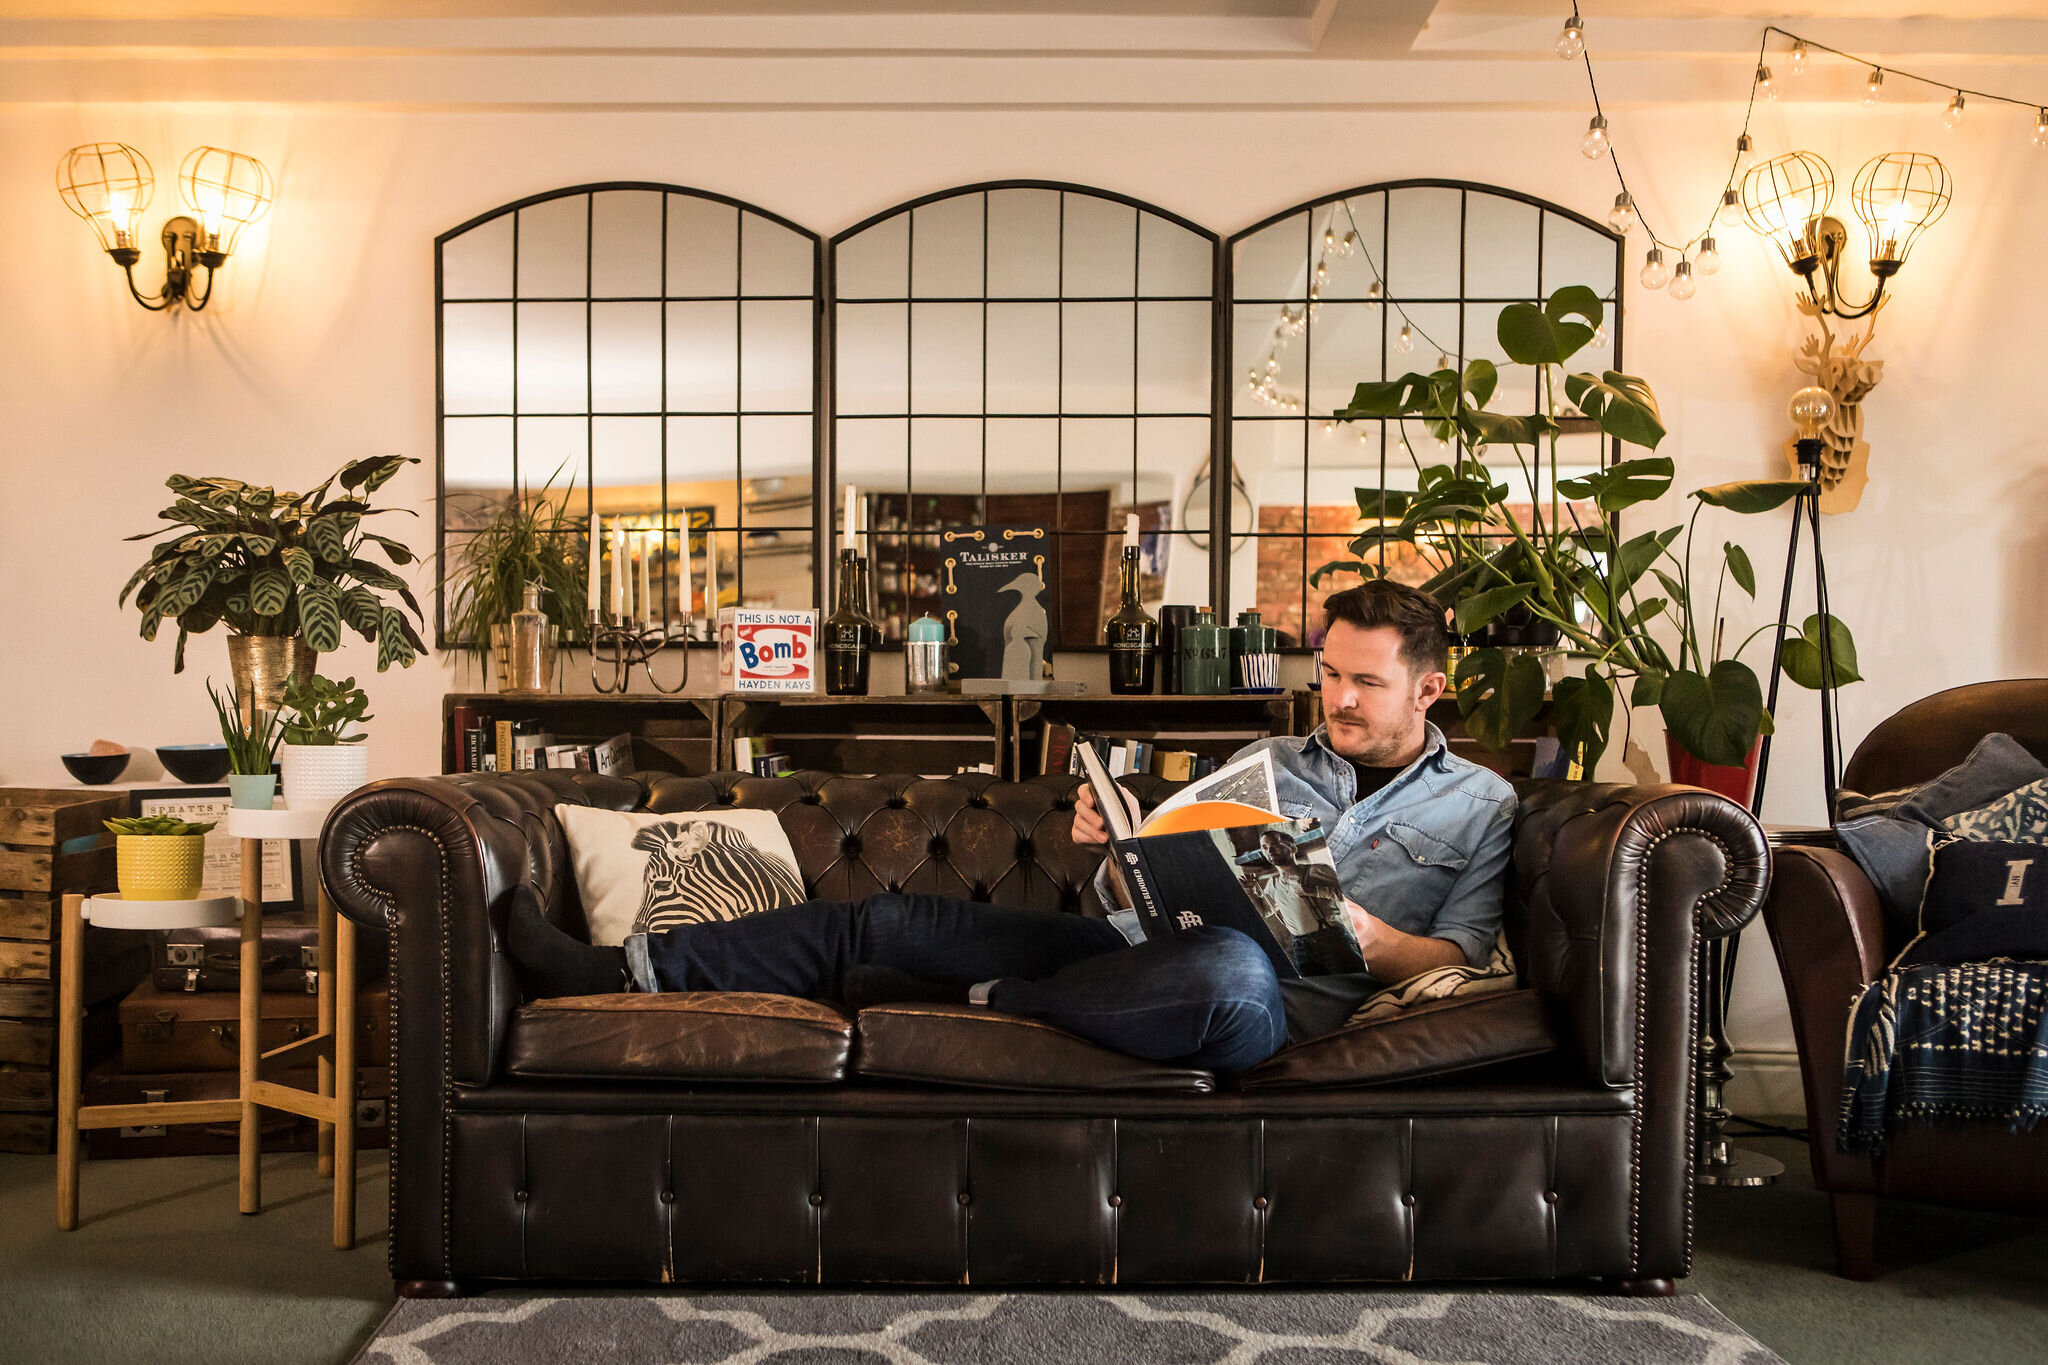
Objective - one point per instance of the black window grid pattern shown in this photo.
(1222, 414)
(1392, 446)
(527, 475)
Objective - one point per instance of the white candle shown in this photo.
(647, 544)
(711, 576)
(618, 568)
(596, 559)
(848, 521)
(1130, 530)
(683, 596)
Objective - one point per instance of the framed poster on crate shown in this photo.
(283, 880)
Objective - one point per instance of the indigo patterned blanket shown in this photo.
(1946, 1043)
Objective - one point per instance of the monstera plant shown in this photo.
(271, 564)
(1614, 603)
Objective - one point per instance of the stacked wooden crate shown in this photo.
(43, 855)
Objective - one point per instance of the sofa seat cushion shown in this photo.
(1429, 1039)
(688, 1035)
(968, 1046)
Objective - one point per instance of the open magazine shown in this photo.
(1219, 853)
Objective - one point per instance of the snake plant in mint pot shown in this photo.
(1551, 554)
(284, 572)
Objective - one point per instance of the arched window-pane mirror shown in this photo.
(1372, 284)
(1025, 354)
(646, 352)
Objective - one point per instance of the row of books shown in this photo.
(503, 746)
(1056, 744)
(755, 754)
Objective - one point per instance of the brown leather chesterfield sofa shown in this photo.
(1537, 1133)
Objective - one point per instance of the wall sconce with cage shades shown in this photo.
(1897, 196)
(109, 184)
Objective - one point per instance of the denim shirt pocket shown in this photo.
(1428, 850)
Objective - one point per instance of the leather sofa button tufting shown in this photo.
(965, 1198)
(898, 803)
(817, 1201)
(810, 799)
(850, 845)
(668, 1196)
(520, 1195)
(1260, 1203)
(1023, 849)
(1550, 1196)
(937, 847)
(1408, 1201)
(1116, 1201)
(978, 802)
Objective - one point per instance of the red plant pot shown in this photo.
(1734, 783)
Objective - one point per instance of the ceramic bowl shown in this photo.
(94, 769)
(195, 763)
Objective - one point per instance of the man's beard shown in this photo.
(1376, 750)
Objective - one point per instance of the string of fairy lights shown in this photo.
(1698, 255)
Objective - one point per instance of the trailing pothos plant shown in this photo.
(1613, 603)
(263, 562)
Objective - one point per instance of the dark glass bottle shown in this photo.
(850, 633)
(1133, 636)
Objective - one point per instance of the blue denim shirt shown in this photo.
(1427, 853)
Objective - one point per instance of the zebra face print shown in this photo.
(699, 870)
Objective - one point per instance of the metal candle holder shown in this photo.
(625, 642)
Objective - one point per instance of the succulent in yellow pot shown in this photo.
(159, 857)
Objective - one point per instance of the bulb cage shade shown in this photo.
(108, 184)
(1898, 196)
(1784, 199)
(227, 190)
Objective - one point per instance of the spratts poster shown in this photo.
(993, 584)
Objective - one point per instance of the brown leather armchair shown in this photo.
(1537, 1133)
(1829, 932)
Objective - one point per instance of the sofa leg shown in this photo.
(1855, 1235)
(433, 1289)
(1643, 1289)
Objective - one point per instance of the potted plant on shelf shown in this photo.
(284, 572)
(530, 542)
(159, 857)
(252, 751)
(1563, 570)
(321, 763)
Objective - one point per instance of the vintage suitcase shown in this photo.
(282, 1132)
(210, 958)
(171, 1031)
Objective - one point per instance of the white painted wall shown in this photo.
(319, 348)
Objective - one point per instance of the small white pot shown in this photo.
(321, 774)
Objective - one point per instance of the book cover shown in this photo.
(994, 588)
(1059, 749)
(461, 720)
(614, 757)
(503, 748)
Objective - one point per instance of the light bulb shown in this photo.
(1797, 60)
(1599, 341)
(1322, 271)
(1329, 238)
(1349, 244)
(120, 212)
(1443, 360)
(2041, 128)
(1572, 42)
(1765, 86)
(1593, 145)
(1809, 410)
(1405, 342)
(1709, 258)
(1683, 286)
(1730, 199)
(1329, 428)
(1622, 214)
(1655, 275)
(1745, 145)
(1952, 117)
(1873, 86)
(1373, 292)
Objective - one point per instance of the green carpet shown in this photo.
(164, 1271)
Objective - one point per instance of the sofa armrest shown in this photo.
(1827, 928)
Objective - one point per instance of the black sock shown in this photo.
(557, 963)
(869, 985)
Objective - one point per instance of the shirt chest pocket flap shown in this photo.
(1426, 849)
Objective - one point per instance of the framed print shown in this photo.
(283, 882)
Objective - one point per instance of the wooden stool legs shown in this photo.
(251, 1036)
(326, 1025)
(342, 982)
(70, 1025)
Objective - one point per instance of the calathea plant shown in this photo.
(1609, 600)
(280, 564)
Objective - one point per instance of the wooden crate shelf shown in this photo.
(1215, 725)
(670, 734)
(931, 734)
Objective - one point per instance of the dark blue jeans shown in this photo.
(1207, 1000)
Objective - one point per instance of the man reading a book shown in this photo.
(1418, 836)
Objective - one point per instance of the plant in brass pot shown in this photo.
(530, 541)
(252, 750)
(1613, 605)
(284, 572)
(322, 761)
(159, 857)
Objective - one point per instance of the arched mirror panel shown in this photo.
(1369, 285)
(1024, 355)
(645, 353)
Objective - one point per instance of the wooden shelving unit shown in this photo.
(1217, 726)
(670, 734)
(932, 734)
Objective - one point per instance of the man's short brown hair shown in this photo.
(1425, 642)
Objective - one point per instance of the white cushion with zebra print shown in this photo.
(640, 873)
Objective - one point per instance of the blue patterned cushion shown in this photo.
(2020, 817)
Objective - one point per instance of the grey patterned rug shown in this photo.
(1268, 1327)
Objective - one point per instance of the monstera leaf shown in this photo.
(1800, 660)
(1549, 335)
(1499, 694)
(1622, 403)
(1582, 710)
(1715, 718)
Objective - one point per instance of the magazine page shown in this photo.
(1287, 873)
(1248, 782)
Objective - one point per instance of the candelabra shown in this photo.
(625, 642)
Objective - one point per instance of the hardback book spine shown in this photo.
(1177, 765)
(461, 720)
(504, 729)
(473, 749)
(1059, 749)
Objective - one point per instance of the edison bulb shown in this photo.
(1765, 86)
(1745, 146)
(1809, 410)
(1405, 342)
(2041, 129)
(1655, 275)
(1708, 260)
(1373, 293)
(1797, 61)
(1682, 285)
(1952, 117)
(1873, 86)
(1571, 43)
(1593, 145)
(1443, 360)
(1599, 341)
(1623, 214)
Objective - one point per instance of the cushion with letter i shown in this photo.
(1985, 900)
(642, 873)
